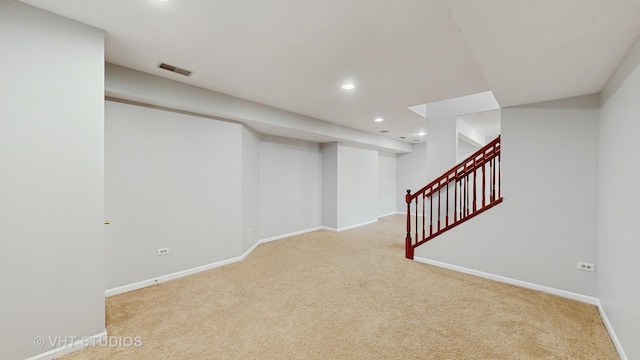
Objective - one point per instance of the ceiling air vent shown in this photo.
(174, 69)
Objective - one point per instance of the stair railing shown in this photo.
(466, 190)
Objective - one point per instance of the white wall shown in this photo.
(250, 188)
(442, 144)
(349, 186)
(387, 189)
(290, 186)
(357, 186)
(411, 174)
(469, 133)
(428, 160)
(172, 180)
(330, 185)
(52, 187)
(465, 150)
(618, 246)
(548, 220)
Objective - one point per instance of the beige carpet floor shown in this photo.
(347, 295)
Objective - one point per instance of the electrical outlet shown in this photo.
(586, 266)
(163, 251)
(249, 230)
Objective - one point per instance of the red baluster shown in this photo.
(493, 187)
(455, 198)
(490, 182)
(430, 213)
(499, 187)
(446, 222)
(416, 218)
(424, 216)
(439, 208)
(475, 185)
(484, 176)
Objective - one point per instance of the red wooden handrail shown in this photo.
(463, 178)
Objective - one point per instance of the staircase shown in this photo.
(466, 190)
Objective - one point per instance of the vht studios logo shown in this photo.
(104, 341)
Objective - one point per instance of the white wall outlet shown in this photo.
(249, 230)
(586, 266)
(163, 251)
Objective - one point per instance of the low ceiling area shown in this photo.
(297, 55)
(486, 123)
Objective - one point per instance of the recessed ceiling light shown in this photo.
(378, 120)
(348, 86)
(422, 133)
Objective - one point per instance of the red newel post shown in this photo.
(408, 248)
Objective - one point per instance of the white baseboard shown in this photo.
(69, 348)
(405, 213)
(612, 333)
(389, 214)
(195, 270)
(290, 234)
(350, 227)
(245, 254)
(173, 276)
(567, 294)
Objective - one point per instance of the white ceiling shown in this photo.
(294, 55)
(538, 50)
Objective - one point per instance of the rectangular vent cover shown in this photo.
(175, 69)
